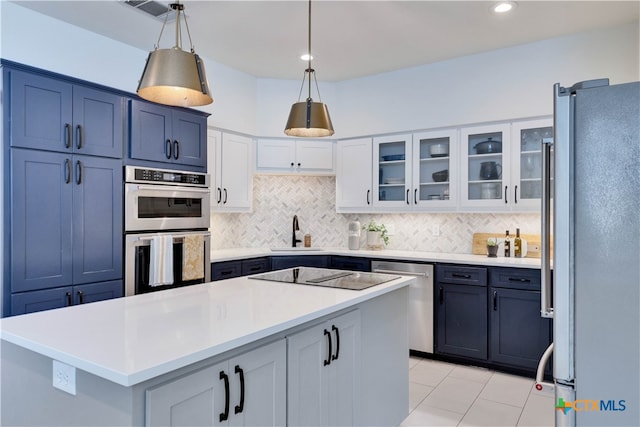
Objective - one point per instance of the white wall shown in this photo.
(498, 85)
(34, 39)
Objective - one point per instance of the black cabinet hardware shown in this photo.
(334, 328)
(441, 297)
(224, 201)
(515, 195)
(495, 300)
(69, 301)
(67, 135)
(461, 276)
(328, 360)
(78, 137)
(505, 194)
(415, 196)
(368, 193)
(219, 199)
(408, 197)
(81, 297)
(239, 408)
(167, 149)
(225, 415)
(519, 279)
(67, 171)
(78, 172)
(176, 149)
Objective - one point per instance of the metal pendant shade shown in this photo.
(309, 119)
(174, 76)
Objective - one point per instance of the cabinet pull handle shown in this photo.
(505, 194)
(225, 415)
(408, 196)
(78, 172)
(81, 297)
(461, 276)
(239, 408)
(328, 360)
(67, 135)
(368, 193)
(495, 300)
(176, 149)
(167, 149)
(415, 196)
(515, 195)
(441, 297)
(334, 328)
(519, 279)
(78, 137)
(219, 195)
(291, 164)
(224, 202)
(69, 300)
(255, 268)
(67, 171)
(299, 164)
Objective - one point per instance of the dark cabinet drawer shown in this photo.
(226, 270)
(255, 266)
(515, 278)
(461, 275)
(350, 263)
(282, 262)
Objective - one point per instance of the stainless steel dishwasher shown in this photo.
(420, 301)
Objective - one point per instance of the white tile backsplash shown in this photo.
(276, 198)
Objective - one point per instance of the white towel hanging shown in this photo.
(161, 262)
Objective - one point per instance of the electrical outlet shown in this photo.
(64, 377)
(435, 229)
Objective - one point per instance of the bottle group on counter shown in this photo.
(517, 245)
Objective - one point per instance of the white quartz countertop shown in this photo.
(133, 339)
(390, 254)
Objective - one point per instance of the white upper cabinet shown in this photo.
(354, 175)
(230, 166)
(312, 157)
(392, 187)
(435, 169)
(526, 162)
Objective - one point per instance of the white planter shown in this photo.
(374, 240)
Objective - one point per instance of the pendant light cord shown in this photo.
(309, 70)
(177, 7)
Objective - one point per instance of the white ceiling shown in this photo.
(349, 38)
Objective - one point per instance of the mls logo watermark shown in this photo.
(587, 405)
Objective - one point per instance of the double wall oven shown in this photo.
(166, 220)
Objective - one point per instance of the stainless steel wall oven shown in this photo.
(167, 241)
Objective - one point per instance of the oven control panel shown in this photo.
(163, 176)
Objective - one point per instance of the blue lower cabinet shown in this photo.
(48, 299)
(226, 270)
(518, 335)
(350, 263)
(461, 320)
(282, 262)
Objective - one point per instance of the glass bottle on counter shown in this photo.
(507, 245)
(517, 245)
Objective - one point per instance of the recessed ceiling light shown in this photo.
(306, 57)
(503, 6)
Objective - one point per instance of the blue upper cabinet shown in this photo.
(168, 135)
(97, 219)
(41, 200)
(51, 114)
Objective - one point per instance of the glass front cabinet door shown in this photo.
(485, 170)
(526, 162)
(435, 155)
(392, 171)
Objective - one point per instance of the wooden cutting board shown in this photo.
(479, 245)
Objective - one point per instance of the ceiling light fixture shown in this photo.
(503, 6)
(309, 119)
(173, 76)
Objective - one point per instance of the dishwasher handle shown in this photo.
(404, 273)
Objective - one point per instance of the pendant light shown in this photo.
(173, 76)
(308, 118)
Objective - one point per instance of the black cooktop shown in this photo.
(352, 280)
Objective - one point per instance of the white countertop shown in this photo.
(133, 339)
(245, 253)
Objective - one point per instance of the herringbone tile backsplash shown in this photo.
(313, 198)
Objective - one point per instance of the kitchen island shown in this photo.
(185, 356)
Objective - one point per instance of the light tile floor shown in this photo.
(445, 394)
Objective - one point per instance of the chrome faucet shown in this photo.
(296, 227)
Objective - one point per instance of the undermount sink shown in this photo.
(296, 249)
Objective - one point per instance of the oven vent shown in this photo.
(156, 9)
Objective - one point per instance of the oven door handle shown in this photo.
(173, 189)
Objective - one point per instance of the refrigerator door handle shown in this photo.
(545, 288)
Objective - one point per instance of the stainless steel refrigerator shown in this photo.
(591, 222)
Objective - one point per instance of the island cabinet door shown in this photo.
(323, 373)
(247, 390)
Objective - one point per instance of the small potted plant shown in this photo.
(492, 247)
(377, 235)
